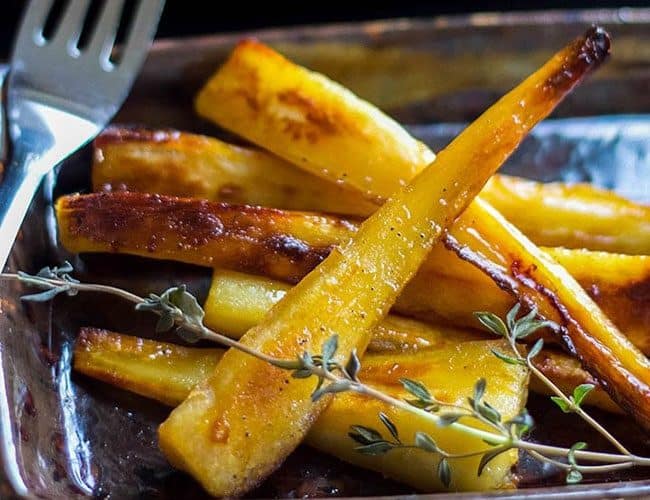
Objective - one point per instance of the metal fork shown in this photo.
(60, 97)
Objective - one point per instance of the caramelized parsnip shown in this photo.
(167, 372)
(286, 245)
(162, 371)
(237, 302)
(536, 279)
(246, 418)
(183, 164)
(573, 216)
(257, 239)
(616, 283)
(196, 166)
(449, 371)
(309, 119)
(619, 284)
(157, 370)
(525, 271)
(323, 128)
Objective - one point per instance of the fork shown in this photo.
(60, 96)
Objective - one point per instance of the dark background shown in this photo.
(188, 17)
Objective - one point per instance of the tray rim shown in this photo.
(623, 15)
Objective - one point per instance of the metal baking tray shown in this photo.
(65, 436)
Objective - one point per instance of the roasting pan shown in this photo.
(65, 436)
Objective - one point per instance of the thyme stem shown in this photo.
(575, 408)
(582, 468)
(578, 409)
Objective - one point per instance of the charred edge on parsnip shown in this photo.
(597, 361)
(134, 133)
(639, 291)
(585, 55)
(145, 221)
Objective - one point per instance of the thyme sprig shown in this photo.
(178, 309)
(519, 329)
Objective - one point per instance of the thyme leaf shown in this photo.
(580, 393)
(389, 425)
(426, 442)
(444, 472)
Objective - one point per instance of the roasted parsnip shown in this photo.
(270, 100)
(246, 418)
(323, 128)
(535, 278)
(256, 239)
(615, 282)
(449, 370)
(620, 286)
(180, 164)
(166, 372)
(237, 302)
(286, 245)
(572, 216)
(257, 110)
(158, 370)
(183, 164)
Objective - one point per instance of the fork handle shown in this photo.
(20, 182)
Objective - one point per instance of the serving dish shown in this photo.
(64, 436)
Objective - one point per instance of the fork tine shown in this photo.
(142, 30)
(105, 30)
(69, 29)
(31, 27)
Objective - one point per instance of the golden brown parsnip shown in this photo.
(323, 128)
(310, 119)
(527, 272)
(196, 166)
(619, 284)
(257, 239)
(162, 371)
(157, 370)
(183, 164)
(286, 245)
(616, 283)
(535, 278)
(237, 302)
(572, 216)
(450, 372)
(246, 418)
